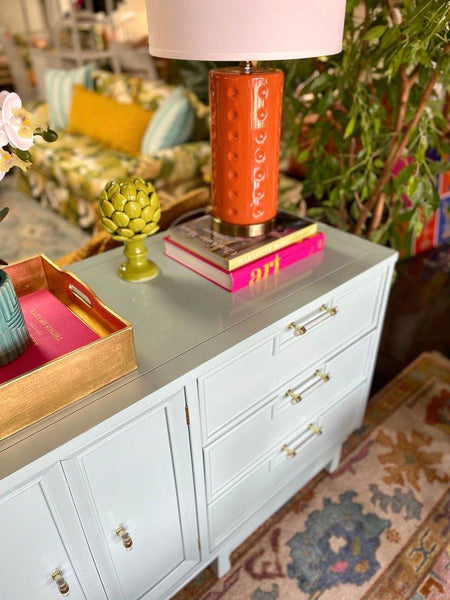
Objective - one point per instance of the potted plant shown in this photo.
(360, 125)
(18, 128)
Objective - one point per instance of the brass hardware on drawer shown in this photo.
(298, 329)
(301, 329)
(125, 537)
(296, 398)
(331, 311)
(315, 429)
(63, 586)
(323, 376)
(290, 452)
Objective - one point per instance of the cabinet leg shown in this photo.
(334, 462)
(221, 565)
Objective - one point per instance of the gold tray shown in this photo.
(36, 394)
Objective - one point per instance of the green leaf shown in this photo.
(404, 175)
(320, 83)
(374, 33)
(303, 156)
(350, 127)
(49, 135)
(23, 154)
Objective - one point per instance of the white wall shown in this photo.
(11, 15)
(133, 15)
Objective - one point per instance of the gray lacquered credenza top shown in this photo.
(182, 320)
(180, 310)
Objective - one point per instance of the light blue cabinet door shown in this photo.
(33, 549)
(134, 493)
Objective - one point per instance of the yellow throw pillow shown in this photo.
(119, 126)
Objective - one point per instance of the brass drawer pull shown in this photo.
(323, 376)
(315, 429)
(298, 329)
(331, 311)
(125, 537)
(301, 329)
(296, 398)
(289, 451)
(63, 586)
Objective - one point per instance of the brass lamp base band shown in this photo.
(253, 230)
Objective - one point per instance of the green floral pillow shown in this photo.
(121, 87)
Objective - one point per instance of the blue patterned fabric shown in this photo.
(171, 125)
(58, 90)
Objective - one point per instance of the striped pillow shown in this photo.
(58, 90)
(172, 123)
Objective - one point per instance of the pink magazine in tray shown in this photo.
(54, 331)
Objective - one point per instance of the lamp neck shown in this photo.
(247, 66)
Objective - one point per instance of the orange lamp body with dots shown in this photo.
(245, 145)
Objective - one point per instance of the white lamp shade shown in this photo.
(235, 30)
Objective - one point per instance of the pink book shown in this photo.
(251, 273)
(54, 329)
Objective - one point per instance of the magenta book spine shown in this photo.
(274, 262)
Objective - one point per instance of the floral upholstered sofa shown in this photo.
(69, 174)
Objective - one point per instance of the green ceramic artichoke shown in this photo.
(129, 209)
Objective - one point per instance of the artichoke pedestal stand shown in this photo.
(137, 267)
(14, 336)
(130, 211)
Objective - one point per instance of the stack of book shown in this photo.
(236, 262)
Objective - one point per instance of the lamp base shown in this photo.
(246, 108)
(252, 230)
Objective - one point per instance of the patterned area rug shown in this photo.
(31, 229)
(378, 528)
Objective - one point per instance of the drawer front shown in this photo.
(227, 459)
(305, 337)
(329, 325)
(236, 386)
(33, 549)
(296, 454)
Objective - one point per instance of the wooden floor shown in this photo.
(418, 313)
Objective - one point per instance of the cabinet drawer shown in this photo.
(33, 549)
(331, 323)
(301, 340)
(298, 400)
(235, 386)
(297, 453)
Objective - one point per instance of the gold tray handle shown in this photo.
(61, 583)
(123, 534)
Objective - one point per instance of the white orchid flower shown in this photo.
(3, 137)
(8, 161)
(17, 124)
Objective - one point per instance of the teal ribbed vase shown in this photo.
(14, 336)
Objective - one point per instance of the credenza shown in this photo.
(237, 402)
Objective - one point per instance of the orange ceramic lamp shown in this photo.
(245, 145)
(245, 101)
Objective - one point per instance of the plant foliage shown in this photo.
(355, 119)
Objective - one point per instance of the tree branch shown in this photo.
(397, 149)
